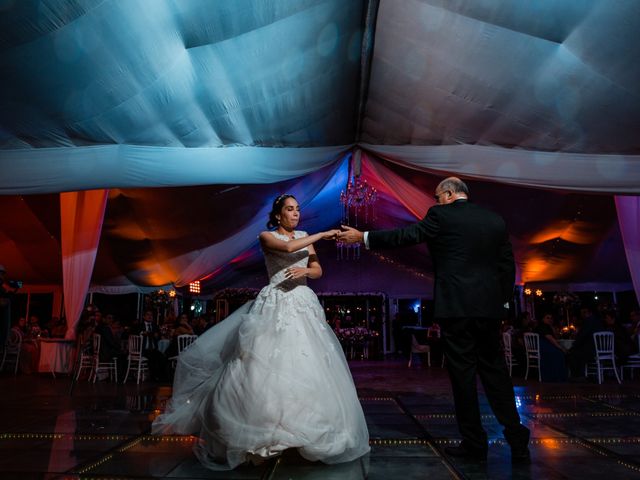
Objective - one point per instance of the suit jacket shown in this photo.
(154, 335)
(472, 258)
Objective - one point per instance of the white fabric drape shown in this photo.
(47, 170)
(554, 170)
(82, 168)
(629, 221)
(81, 215)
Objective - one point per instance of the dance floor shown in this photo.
(102, 431)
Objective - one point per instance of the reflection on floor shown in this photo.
(102, 430)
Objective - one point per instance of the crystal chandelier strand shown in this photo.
(357, 202)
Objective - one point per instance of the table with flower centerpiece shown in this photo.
(357, 341)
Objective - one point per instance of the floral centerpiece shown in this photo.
(162, 298)
(568, 331)
(566, 302)
(355, 334)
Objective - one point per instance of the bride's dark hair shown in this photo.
(278, 203)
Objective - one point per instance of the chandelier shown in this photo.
(357, 203)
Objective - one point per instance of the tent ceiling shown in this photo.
(547, 75)
(201, 75)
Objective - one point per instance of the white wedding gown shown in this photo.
(271, 376)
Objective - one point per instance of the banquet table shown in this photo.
(566, 342)
(56, 355)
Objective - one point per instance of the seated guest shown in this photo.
(117, 329)
(199, 325)
(553, 366)
(583, 349)
(210, 322)
(84, 330)
(58, 327)
(29, 349)
(150, 335)
(35, 330)
(183, 327)
(110, 347)
(623, 345)
(169, 323)
(524, 324)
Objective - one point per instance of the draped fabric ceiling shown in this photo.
(191, 116)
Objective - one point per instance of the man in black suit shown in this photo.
(474, 278)
(150, 335)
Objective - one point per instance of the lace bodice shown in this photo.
(278, 262)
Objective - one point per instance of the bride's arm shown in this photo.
(270, 242)
(312, 270)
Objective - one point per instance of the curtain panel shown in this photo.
(81, 219)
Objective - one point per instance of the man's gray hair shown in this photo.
(455, 185)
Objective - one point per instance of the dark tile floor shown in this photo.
(102, 431)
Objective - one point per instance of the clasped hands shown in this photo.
(346, 235)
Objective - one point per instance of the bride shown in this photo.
(272, 376)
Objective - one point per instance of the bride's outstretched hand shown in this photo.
(350, 235)
(331, 234)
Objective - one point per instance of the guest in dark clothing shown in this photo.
(623, 345)
(199, 325)
(210, 323)
(110, 346)
(553, 366)
(150, 335)
(583, 349)
(182, 327)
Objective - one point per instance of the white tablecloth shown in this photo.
(163, 344)
(566, 343)
(56, 355)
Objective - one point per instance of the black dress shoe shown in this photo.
(466, 453)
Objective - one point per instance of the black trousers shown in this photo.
(472, 347)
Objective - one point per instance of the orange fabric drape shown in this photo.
(81, 216)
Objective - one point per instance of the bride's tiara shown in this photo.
(284, 195)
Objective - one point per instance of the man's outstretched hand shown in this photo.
(350, 235)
